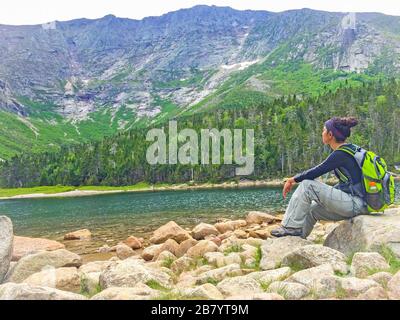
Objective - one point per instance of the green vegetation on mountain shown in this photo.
(287, 140)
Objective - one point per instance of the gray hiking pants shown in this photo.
(314, 200)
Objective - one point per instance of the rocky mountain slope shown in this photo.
(82, 79)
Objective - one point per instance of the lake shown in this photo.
(114, 217)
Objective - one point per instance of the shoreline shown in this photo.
(174, 187)
(277, 183)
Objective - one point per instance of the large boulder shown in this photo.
(83, 234)
(66, 279)
(290, 290)
(257, 217)
(123, 251)
(203, 230)
(185, 246)
(206, 291)
(133, 242)
(139, 292)
(365, 263)
(24, 246)
(219, 274)
(239, 285)
(6, 245)
(171, 230)
(152, 252)
(394, 287)
(24, 291)
(367, 233)
(226, 226)
(34, 263)
(270, 275)
(201, 248)
(316, 255)
(131, 272)
(273, 250)
(308, 277)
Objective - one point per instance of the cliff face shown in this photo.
(181, 56)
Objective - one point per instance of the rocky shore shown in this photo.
(232, 259)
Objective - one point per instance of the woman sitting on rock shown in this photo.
(314, 200)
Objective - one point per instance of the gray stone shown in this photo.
(273, 250)
(239, 285)
(130, 272)
(316, 255)
(308, 277)
(289, 290)
(394, 287)
(24, 291)
(206, 291)
(34, 263)
(139, 292)
(363, 263)
(367, 233)
(6, 245)
(220, 273)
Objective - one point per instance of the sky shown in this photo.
(19, 12)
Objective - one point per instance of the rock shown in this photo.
(169, 231)
(256, 296)
(34, 263)
(232, 258)
(66, 279)
(140, 292)
(271, 275)
(182, 264)
(354, 286)
(151, 252)
(94, 266)
(382, 278)
(215, 258)
(226, 226)
(289, 290)
(327, 287)
(316, 255)
(201, 248)
(262, 233)
(365, 263)
(273, 250)
(124, 252)
(90, 282)
(240, 234)
(24, 246)
(220, 273)
(6, 245)
(24, 291)
(185, 246)
(206, 291)
(394, 287)
(171, 246)
(133, 242)
(216, 239)
(165, 256)
(257, 217)
(239, 285)
(203, 230)
(375, 293)
(10, 270)
(83, 234)
(131, 272)
(104, 249)
(307, 277)
(367, 233)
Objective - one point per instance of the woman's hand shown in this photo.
(288, 186)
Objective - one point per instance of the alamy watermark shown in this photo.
(187, 148)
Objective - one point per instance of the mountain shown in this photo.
(80, 80)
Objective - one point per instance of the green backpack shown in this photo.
(377, 186)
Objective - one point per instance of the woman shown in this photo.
(314, 200)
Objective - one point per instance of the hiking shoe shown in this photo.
(283, 232)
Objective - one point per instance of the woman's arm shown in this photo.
(335, 160)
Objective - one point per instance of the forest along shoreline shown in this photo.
(78, 192)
